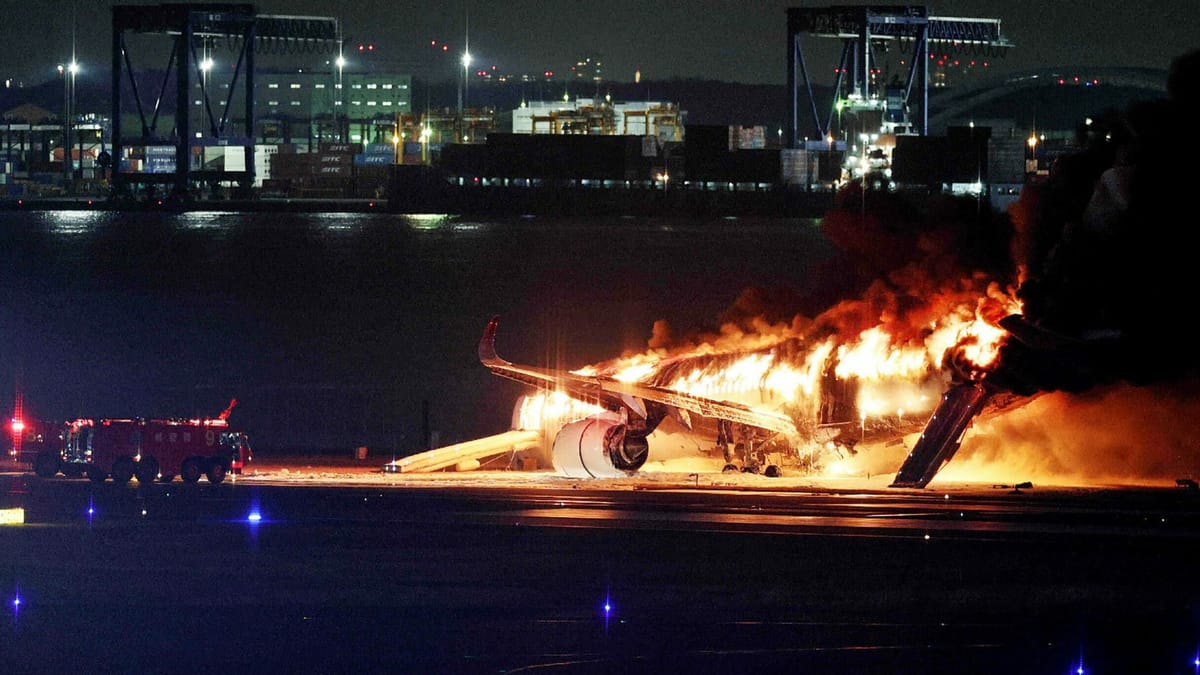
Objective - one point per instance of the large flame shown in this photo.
(895, 371)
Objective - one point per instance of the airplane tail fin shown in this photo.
(487, 343)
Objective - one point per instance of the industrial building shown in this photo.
(331, 131)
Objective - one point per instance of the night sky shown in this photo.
(712, 39)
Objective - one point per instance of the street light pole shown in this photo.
(206, 64)
(463, 103)
(66, 115)
(68, 74)
(337, 96)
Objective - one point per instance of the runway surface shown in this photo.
(347, 570)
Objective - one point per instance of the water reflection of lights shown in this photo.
(441, 221)
(340, 221)
(75, 222)
(203, 220)
(427, 221)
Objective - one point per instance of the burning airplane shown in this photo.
(1062, 299)
(795, 396)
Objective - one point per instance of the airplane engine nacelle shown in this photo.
(598, 447)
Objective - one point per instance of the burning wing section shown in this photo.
(614, 443)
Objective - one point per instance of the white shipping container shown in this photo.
(235, 158)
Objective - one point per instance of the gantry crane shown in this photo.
(864, 30)
(191, 25)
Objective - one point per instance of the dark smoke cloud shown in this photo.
(1107, 241)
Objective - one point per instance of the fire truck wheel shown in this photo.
(96, 474)
(122, 469)
(190, 471)
(216, 472)
(147, 470)
(46, 464)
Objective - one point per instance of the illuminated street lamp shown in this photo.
(395, 148)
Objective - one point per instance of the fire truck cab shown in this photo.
(148, 449)
(30, 437)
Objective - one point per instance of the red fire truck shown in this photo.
(148, 449)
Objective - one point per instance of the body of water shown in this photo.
(335, 330)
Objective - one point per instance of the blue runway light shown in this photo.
(607, 608)
(254, 517)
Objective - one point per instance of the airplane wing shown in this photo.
(631, 396)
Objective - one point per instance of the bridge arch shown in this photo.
(953, 104)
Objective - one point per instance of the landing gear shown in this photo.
(746, 449)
